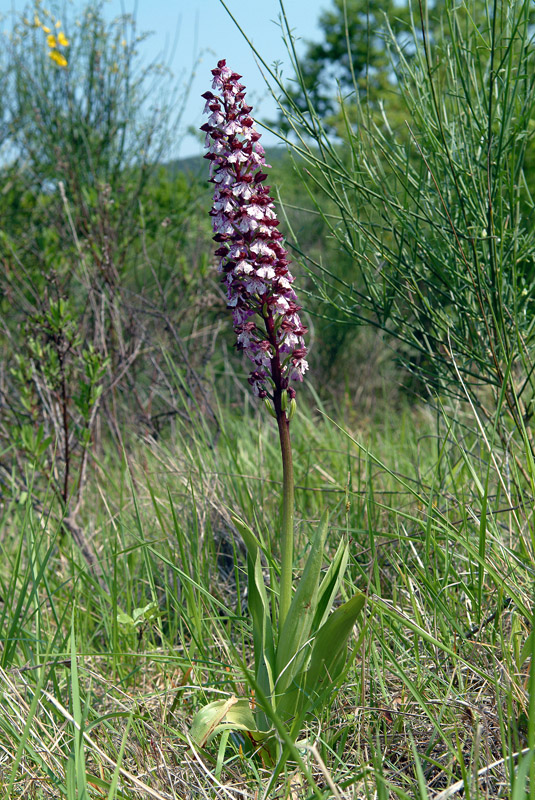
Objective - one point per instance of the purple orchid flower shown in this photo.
(253, 260)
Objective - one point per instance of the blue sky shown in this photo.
(185, 29)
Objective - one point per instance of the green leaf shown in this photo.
(521, 778)
(527, 649)
(330, 585)
(329, 650)
(146, 613)
(231, 714)
(252, 543)
(264, 646)
(298, 622)
(263, 636)
(324, 664)
(125, 619)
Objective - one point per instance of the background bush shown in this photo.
(106, 260)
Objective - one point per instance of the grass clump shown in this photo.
(101, 678)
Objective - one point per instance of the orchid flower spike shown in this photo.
(252, 259)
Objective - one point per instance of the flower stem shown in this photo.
(287, 533)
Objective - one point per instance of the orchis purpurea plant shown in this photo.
(300, 647)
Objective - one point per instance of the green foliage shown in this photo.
(351, 55)
(56, 383)
(292, 659)
(86, 123)
(99, 247)
(438, 219)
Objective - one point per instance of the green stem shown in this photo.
(287, 533)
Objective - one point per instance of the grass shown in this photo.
(100, 679)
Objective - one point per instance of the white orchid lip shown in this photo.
(253, 261)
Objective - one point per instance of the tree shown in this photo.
(352, 54)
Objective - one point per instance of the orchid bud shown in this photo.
(268, 404)
(293, 408)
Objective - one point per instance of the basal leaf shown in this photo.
(252, 542)
(330, 585)
(329, 650)
(233, 713)
(297, 625)
(264, 646)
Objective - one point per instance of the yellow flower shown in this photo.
(62, 39)
(36, 21)
(58, 58)
(51, 40)
(46, 30)
(58, 24)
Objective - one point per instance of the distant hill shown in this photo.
(196, 165)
